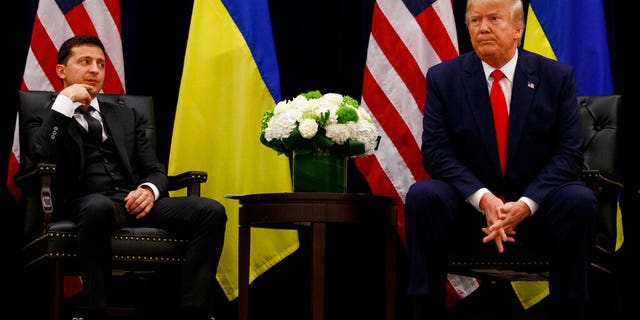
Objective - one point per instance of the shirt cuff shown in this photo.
(474, 198)
(156, 192)
(64, 105)
(533, 206)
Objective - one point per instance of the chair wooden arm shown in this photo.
(598, 178)
(25, 177)
(41, 175)
(190, 180)
(43, 172)
(606, 187)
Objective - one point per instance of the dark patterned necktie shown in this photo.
(94, 126)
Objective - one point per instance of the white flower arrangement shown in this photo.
(317, 123)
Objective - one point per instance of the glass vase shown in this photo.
(319, 172)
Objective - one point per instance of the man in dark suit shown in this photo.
(475, 197)
(110, 177)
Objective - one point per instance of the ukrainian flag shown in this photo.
(230, 78)
(574, 32)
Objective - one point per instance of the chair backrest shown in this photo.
(33, 105)
(599, 116)
(142, 104)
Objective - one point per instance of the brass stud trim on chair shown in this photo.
(147, 258)
(147, 238)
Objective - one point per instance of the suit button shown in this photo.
(54, 132)
(106, 160)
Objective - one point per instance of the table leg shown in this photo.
(57, 311)
(244, 243)
(317, 270)
(390, 272)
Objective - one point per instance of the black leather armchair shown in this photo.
(51, 244)
(527, 260)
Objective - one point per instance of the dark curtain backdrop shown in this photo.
(320, 44)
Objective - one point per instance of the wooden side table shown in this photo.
(315, 210)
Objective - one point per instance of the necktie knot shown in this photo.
(84, 112)
(497, 75)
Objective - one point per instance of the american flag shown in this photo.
(407, 37)
(56, 21)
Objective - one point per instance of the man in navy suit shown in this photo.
(469, 200)
(113, 179)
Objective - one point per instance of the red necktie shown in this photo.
(500, 116)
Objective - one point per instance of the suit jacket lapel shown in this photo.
(480, 104)
(113, 126)
(75, 134)
(524, 84)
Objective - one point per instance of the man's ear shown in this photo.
(518, 33)
(60, 68)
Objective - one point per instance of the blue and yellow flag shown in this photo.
(574, 32)
(230, 78)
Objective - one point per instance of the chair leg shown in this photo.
(57, 290)
(424, 308)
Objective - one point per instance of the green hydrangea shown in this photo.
(265, 119)
(315, 94)
(350, 101)
(346, 114)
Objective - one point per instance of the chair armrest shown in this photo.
(41, 175)
(607, 188)
(596, 179)
(26, 177)
(190, 180)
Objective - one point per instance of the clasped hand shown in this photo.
(502, 219)
(139, 202)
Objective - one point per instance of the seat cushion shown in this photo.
(519, 262)
(146, 244)
(130, 245)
